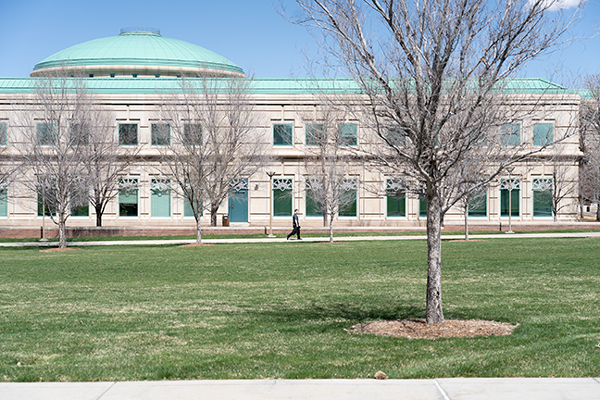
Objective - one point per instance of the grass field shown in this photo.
(279, 310)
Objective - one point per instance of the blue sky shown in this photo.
(248, 32)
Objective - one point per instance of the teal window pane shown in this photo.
(422, 208)
(349, 134)
(187, 209)
(314, 134)
(396, 205)
(3, 133)
(40, 206)
(542, 197)
(192, 135)
(349, 210)
(160, 198)
(543, 134)
(511, 135)
(3, 202)
(128, 200)
(395, 136)
(282, 198)
(128, 134)
(313, 208)
(81, 211)
(283, 134)
(46, 134)
(161, 134)
(515, 202)
(79, 134)
(478, 204)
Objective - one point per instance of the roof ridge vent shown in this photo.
(140, 30)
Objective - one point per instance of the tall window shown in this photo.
(282, 197)
(79, 134)
(161, 134)
(46, 133)
(510, 135)
(478, 204)
(543, 134)
(348, 199)
(128, 134)
(395, 136)
(348, 134)
(3, 200)
(312, 206)
(314, 134)
(515, 197)
(160, 200)
(3, 133)
(542, 197)
(128, 197)
(192, 135)
(396, 198)
(283, 134)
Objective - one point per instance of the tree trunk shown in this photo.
(213, 216)
(331, 228)
(467, 222)
(598, 212)
(434, 260)
(98, 216)
(198, 230)
(62, 235)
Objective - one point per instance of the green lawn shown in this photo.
(279, 310)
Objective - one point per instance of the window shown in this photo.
(283, 134)
(313, 208)
(187, 209)
(128, 197)
(543, 134)
(91, 75)
(160, 198)
(134, 75)
(112, 75)
(4, 200)
(315, 133)
(348, 134)
(79, 134)
(510, 135)
(542, 197)
(128, 134)
(3, 133)
(478, 204)
(46, 133)
(422, 207)
(161, 134)
(515, 197)
(192, 134)
(348, 198)
(396, 197)
(282, 197)
(395, 136)
(81, 211)
(157, 75)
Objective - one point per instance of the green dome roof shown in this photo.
(144, 52)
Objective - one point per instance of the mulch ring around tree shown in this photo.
(55, 249)
(196, 245)
(418, 328)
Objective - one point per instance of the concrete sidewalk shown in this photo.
(359, 389)
(308, 239)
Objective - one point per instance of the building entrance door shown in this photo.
(238, 201)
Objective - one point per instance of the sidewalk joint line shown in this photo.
(444, 395)
(107, 389)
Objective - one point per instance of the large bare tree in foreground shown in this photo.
(589, 172)
(436, 72)
(54, 137)
(215, 142)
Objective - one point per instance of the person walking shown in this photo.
(295, 225)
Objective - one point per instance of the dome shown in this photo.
(137, 52)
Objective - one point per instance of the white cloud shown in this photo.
(556, 5)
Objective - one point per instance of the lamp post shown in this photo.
(510, 170)
(270, 174)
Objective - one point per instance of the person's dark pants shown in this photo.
(296, 230)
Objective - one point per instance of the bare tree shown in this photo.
(437, 72)
(330, 189)
(214, 143)
(106, 161)
(52, 149)
(589, 142)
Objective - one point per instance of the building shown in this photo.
(132, 73)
